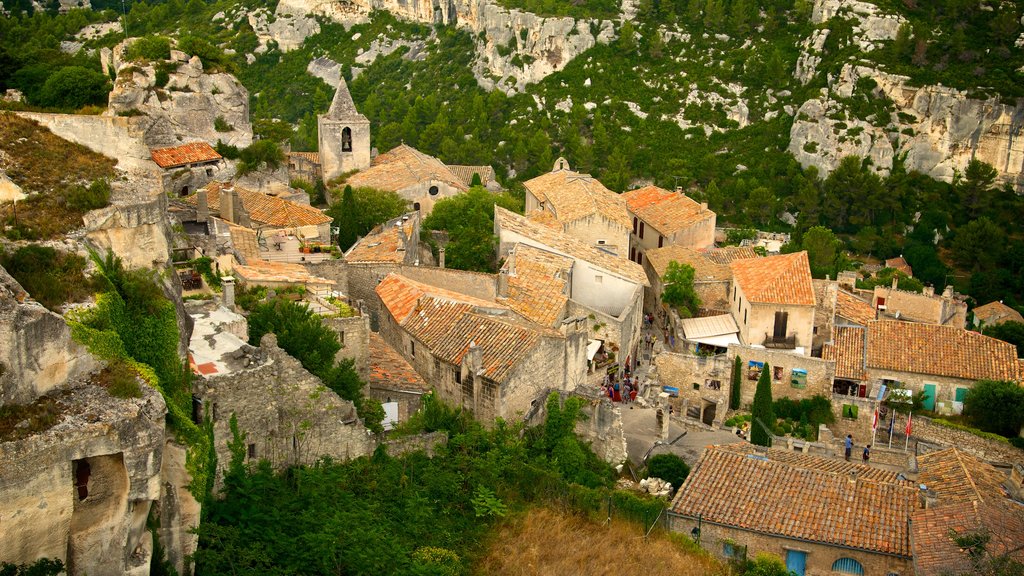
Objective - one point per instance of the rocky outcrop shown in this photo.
(187, 107)
(939, 130)
(514, 48)
(288, 27)
(871, 25)
(136, 229)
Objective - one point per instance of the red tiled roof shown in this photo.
(191, 153)
(853, 309)
(573, 196)
(537, 282)
(847, 351)
(402, 167)
(940, 350)
(264, 209)
(996, 313)
(802, 498)
(959, 477)
(388, 370)
(900, 264)
(783, 279)
(667, 212)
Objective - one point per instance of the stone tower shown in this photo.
(344, 136)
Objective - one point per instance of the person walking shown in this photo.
(867, 453)
(848, 443)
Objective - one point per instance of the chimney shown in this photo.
(926, 498)
(679, 189)
(895, 281)
(703, 207)
(852, 479)
(948, 293)
(228, 294)
(227, 203)
(928, 291)
(202, 207)
(440, 257)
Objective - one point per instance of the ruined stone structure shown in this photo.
(344, 136)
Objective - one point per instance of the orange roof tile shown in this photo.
(996, 313)
(537, 282)
(572, 196)
(667, 212)
(313, 157)
(191, 153)
(399, 295)
(544, 218)
(465, 173)
(402, 167)
(385, 245)
(810, 499)
(900, 264)
(783, 279)
(264, 209)
(853, 309)
(847, 351)
(959, 477)
(388, 370)
(940, 350)
(259, 271)
(561, 243)
(709, 265)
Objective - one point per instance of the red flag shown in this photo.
(874, 421)
(908, 423)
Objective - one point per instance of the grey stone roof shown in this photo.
(342, 106)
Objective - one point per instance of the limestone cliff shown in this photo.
(513, 48)
(191, 104)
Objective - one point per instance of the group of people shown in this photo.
(624, 390)
(848, 444)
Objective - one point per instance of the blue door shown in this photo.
(796, 561)
(929, 402)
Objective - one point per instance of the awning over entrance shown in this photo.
(592, 347)
(717, 331)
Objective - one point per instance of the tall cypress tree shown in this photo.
(737, 379)
(762, 413)
(348, 227)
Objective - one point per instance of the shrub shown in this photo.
(996, 406)
(150, 48)
(51, 277)
(222, 125)
(121, 380)
(83, 199)
(668, 467)
(72, 87)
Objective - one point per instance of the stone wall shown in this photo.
(136, 229)
(428, 443)
(924, 430)
(819, 373)
(354, 335)
(288, 416)
(825, 294)
(859, 427)
(703, 382)
(601, 425)
(121, 138)
(715, 537)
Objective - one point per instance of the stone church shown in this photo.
(344, 136)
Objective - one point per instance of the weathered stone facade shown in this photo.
(354, 335)
(287, 415)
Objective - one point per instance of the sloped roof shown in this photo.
(708, 265)
(342, 106)
(970, 498)
(313, 157)
(940, 350)
(388, 370)
(810, 499)
(258, 271)
(449, 323)
(402, 167)
(727, 254)
(465, 173)
(853, 309)
(385, 245)
(996, 313)
(191, 153)
(572, 196)
(782, 279)
(667, 212)
(537, 282)
(707, 326)
(847, 351)
(544, 218)
(264, 209)
(561, 243)
(899, 263)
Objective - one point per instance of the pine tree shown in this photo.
(762, 413)
(737, 379)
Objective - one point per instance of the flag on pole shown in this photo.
(908, 423)
(874, 421)
(892, 420)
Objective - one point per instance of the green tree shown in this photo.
(762, 411)
(765, 565)
(735, 394)
(823, 251)
(366, 209)
(469, 220)
(996, 406)
(261, 154)
(978, 245)
(885, 276)
(1012, 332)
(976, 188)
(668, 467)
(346, 217)
(679, 291)
(72, 87)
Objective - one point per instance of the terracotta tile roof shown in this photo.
(708, 265)
(996, 313)
(899, 264)
(449, 323)
(383, 246)
(537, 282)
(808, 499)
(313, 157)
(940, 350)
(727, 254)
(566, 245)
(970, 498)
(191, 153)
(811, 462)
(847, 351)
(244, 241)
(465, 174)
(853, 309)
(264, 209)
(667, 212)
(783, 279)
(388, 370)
(260, 271)
(544, 218)
(572, 196)
(402, 167)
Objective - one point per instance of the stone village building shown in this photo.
(581, 207)
(343, 136)
(823, 516)
(995, 313)
(187, 167)
(479, 354)
(662, 218)
(773, 302)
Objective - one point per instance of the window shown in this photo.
(634, 225)
(341, 336)
(733, 293)
(252, 450)
(640, 258)
(848, 566)
(412, 348)
(734, 551)
(295, 442)
(416, 206)
(632, 254)
(713, 384)
(600, 242)
(209, 172)
(744, 317)
(184, 191)
(433, 190)
(696, 386)
(82, 473)
(458, 376)
(661, 240)
(641, 230)
(781, 325)
(346, 139)
(598, 279)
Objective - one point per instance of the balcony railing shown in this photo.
(782, 342)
